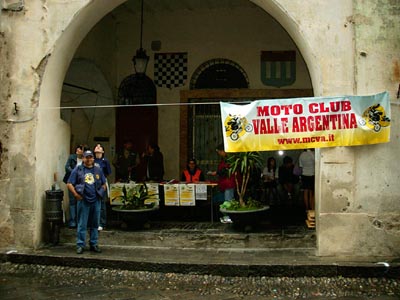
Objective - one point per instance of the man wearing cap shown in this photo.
(88, 185)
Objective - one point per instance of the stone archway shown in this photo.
(49, 125)
(51, 130)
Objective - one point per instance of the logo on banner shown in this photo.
(170, 69)
(236, 126)
(374, 117)
(278, 68)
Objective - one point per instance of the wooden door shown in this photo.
(138, 124)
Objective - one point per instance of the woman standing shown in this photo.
(270, 181)
(307, 163)
(103, 163)
(74, 160)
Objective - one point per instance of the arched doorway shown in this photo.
(67, 45)
(137, 116)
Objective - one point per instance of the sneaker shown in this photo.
(226, 220)
(100, 228)
(95, 248)
(79, 250)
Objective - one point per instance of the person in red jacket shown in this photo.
(226, 183)
(192, 173)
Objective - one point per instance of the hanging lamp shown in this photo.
(140, 60)
(138, 88)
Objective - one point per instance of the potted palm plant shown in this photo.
(245, 210)
(134, 210)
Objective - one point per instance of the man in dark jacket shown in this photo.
(125, 163)
(88, 185)
(154, 161)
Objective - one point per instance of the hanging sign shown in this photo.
(300, 123)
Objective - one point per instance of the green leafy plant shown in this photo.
(250, 204)
(135, 198)
(242, 165)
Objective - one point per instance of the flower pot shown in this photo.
(246, 219)
(134, 218)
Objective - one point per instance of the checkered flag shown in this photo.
(170, 69)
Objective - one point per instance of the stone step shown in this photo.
(202, 236)
(216, 249)
(222, 262)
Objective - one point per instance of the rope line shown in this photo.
(136, 105)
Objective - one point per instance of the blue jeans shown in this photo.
(229, 194)
(88, 218)
(72, 210)
(223, 196)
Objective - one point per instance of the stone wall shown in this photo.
(349, 47)
(359, 207)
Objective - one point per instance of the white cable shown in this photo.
(107, 106)
(136, 105)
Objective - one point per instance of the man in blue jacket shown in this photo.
(88, 185)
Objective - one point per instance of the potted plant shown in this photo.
(245, 210)
(134, 209)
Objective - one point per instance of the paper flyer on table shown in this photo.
(152, 189)
(201, 191)
(171, 194)
(187, 194)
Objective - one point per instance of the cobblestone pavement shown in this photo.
(22, 281)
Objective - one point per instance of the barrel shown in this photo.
(54, 211)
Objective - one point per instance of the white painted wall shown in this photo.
(90, 122)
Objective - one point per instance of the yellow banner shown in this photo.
(300, 123)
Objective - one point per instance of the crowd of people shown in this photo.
(86, 173)
(280, 186)
(283, 185)
(87, 170)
